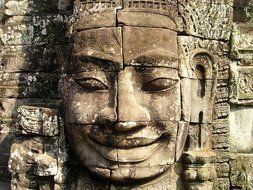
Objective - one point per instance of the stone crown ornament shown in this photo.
(112, 13)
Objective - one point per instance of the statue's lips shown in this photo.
(136, 154)
(132, 146)
(142, 137)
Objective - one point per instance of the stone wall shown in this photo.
(32, 35)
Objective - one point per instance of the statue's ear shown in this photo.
(198, 88)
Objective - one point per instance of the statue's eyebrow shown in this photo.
(99, 59)
(98, 55)
(158, 56)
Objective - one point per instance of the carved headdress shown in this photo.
(112, 13)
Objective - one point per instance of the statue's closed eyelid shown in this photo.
(92, 84)
(159, 84)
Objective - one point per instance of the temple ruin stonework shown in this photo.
(126, 94)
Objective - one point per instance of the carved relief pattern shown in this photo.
(206, 19)
(241, 85)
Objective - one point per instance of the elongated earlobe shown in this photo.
(198, 88)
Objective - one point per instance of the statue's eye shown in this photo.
(159, 84)
(91, 84)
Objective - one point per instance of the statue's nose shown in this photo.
(131, 113)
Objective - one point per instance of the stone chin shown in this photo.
(128, 164)
(128, 174)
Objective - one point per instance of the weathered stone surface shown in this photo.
(42, 58)
(222, 157)
(37, 120)
(241, 85)
(6, 140)
(166, 182)
(222, 94)
(190, 46)
(222, 184)
(101, 13)
(223, 69)
(151, 51)
(221, 110)
(242, 43)
(26, 7)
(97, 49)
(26, 85)
(145, 19)
(199, 171)
(221, 126)
(33, 156)
(98, 13)
(143, 82)
(208, 19)
(27, 30)
(221, 141)
(222, 169)
(168, 8)
(23, 181)
(241, 129)
(197, 107)
(9, 105)
(243, 11)
(47, 166)
(241, 173)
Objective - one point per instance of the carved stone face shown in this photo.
(122, 101)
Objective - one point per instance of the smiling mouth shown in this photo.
(124, 140)
(124, 155)
(122, 147)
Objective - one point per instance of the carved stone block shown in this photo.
(150, 101)
(150, 51)
(222, 184)
(241, 126)
(197, 107)
(23, 181)
(208, 19)
(144, 19)
(27, 30)
(221, 110)
(96, 45)
(211, 53)
(222, 93)
(242, 43)
(167, 183)
(9, 105)
(36, 120)
(26, 85)
(28, 155)
(26, 7)
(199, 170)
(241, 85)
(243, 11)
(30, 58)
(222, 169)
(221, 126)
(94, 110)
(189, 45)
(145, 88)
(241, 173)
(221, 141)
(102, 13)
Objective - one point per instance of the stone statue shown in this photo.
(143, 100)
(122, 96)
